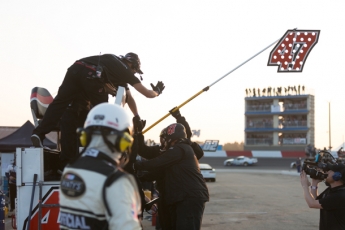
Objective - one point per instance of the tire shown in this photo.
(228, 164)
(245, 164)
(213, 179)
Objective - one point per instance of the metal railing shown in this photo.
(254, 108)
(260, 125)
(294, 107)
(286, 124)
(259, 141)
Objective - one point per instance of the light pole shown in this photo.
(329, 124)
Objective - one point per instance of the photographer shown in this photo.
(331, 202)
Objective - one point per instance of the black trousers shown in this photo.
(72, 119)
(187, 214)
(13, 195)
(164, 214)
(77, 81)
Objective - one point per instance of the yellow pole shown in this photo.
(207, 88)
(167, 115)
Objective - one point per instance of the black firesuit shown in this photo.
(73, 118)
(150, 152)
(80, 80)
(185, 191)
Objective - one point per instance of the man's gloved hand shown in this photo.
(138, 124)
(137, 165)
(176, 113)
(158, 88)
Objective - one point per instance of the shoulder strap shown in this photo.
(111, 179)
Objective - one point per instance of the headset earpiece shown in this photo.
(85, 136)
(124, 142)
(337, 176)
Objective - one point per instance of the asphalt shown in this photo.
(265, 196)
(256, 200)
(263, 163)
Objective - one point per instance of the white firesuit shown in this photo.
(82, 203)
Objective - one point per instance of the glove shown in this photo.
(138, 124)
(176, 113)
(158, 88)
(136, 165)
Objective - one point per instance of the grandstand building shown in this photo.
(278, 122)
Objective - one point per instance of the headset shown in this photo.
(337, 176)
(123, 141)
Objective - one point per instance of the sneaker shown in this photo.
(36, 141)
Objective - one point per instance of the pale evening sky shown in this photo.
(186, 44)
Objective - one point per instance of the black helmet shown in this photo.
(162, 139)
(163, 133)
(134, 59)
(175, 131)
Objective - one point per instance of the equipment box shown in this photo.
(31, 161)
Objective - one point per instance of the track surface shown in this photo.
(260, 197)
(263, 163)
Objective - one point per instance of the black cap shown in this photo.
(134, 59)
(337, 168)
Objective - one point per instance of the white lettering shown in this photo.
(73, 221)
(77, 222)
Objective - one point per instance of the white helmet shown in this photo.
(111, 116)
(108, 119)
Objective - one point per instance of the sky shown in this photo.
(186, 44)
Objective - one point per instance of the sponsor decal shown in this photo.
(210, 145)
(171, 129)
(291, 52)
(98, 117)
(72, 185)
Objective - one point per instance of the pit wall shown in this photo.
(273, 154)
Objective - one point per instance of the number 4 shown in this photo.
(291, 52)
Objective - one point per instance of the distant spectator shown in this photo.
(313, 151)
(250, 123)
(11, 176)
(299, 164)
(307, 150)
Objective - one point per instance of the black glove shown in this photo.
(176, 113)
(136, 165)
(158, 88)
(138, 124)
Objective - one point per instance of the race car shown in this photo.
(241, 160)
(208, 172)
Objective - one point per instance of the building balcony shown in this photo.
(259, 141)
(292, 124)
(260, 124)
(294, 107)
(280, 130)
(275, 112)
(258, 108)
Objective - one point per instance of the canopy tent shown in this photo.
(21, 138)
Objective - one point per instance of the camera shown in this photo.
(314, 172)
(317, 169)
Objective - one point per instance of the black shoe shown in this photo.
(36, 141)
